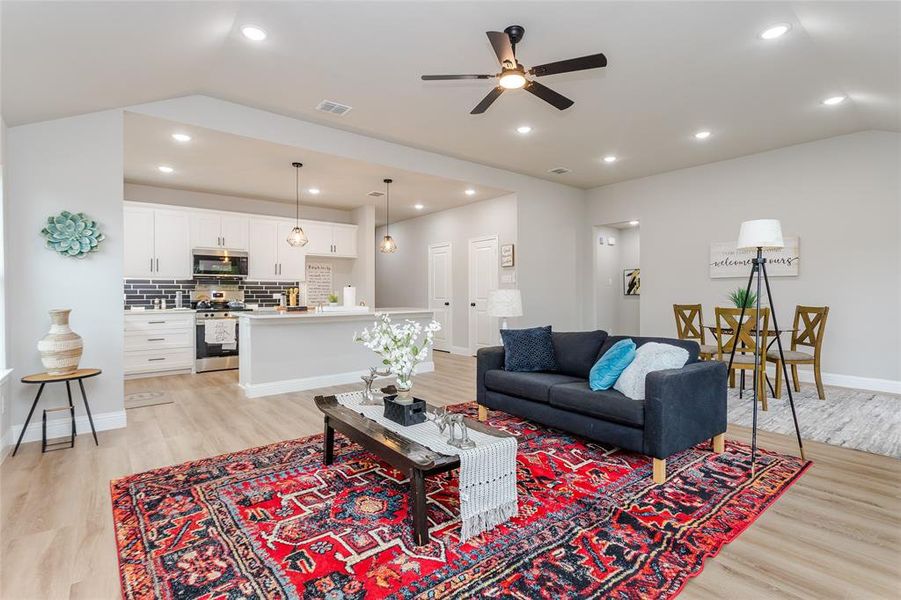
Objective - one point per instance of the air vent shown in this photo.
(375, 193)
(333, 108)
(559, 170)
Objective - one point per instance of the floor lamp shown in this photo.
(760, 235)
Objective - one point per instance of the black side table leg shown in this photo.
(87, 409)
(28, 419)
(71, 408)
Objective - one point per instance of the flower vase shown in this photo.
(61, 348)
(404, 392)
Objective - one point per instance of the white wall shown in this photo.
(402, 277)
(363, 270)
(550, 216)
(135, 192)
(616, 313)
(841, 196)
(70, 164)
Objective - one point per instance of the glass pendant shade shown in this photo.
(297, 237)
(388, 245)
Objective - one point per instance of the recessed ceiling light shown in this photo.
(313, 191)
(633, 223)
(181, 137)
(470, 192)
(523, 129)
(610, 159)
(702, 135)
(771, 33)
(418, 206)
(165, 169)
(833, 100)
(253, 33)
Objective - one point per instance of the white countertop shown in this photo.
(156, 311)
(271, 314)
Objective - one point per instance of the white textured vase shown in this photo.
(61, 348)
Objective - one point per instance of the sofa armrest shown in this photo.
(684, 407)
(486, 360)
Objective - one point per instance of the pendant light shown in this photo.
(388, 245)
(297, 237)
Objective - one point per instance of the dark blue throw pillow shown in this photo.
(529, 349)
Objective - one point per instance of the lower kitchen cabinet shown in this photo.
(158, 342)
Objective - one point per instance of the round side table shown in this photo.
(43, 379)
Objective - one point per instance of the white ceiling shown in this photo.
(674, 68)
(229, 164)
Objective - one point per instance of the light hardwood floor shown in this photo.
(835, 534)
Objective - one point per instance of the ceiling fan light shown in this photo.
(388, 245)
(512, 80)
(297, 238)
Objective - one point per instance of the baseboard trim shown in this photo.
(57, 428)
(871, 384)
(286, 386)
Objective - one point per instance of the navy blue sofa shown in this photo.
(683, 407)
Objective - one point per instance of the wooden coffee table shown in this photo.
(404, 455)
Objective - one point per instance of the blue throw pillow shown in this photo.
(529, 349)
(606, 371)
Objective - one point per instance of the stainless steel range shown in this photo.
(216, 332)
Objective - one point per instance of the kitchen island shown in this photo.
(290, 352)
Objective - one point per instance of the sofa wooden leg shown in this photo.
(659, 470)
(483, 413)
(719, 443)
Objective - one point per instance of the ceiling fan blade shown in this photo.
(448, 77)
(594, 61)
(500, 41)
(487, 101)
(548, 95)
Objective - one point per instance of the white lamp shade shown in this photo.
(504, 303)
(761, 233)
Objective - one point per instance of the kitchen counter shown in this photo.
(156, 311)
(290, 352)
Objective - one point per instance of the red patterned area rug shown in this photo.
(272, 522)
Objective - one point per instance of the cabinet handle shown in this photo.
(157, 265)
(155, 322)
(155, 359)
(156, 339)
(151, 264)
(275, 269)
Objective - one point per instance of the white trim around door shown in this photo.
(483, 278)
(441, 292)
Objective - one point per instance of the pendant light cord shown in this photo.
(296, 196)
(388, 208)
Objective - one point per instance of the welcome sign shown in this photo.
(727, 261)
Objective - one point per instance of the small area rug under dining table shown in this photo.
(273, 522)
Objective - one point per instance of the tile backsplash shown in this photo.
(142, 292)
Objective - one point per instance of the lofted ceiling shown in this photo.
(674, 68)
(222, 163)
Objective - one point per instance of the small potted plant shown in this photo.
(742, 298)
(333, 299)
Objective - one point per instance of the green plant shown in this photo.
(742, 298)
(333, 298)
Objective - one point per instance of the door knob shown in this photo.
(472, 304)
(447, 304)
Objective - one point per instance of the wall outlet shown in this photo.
(601, 241)
(611, 241)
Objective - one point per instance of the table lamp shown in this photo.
(504, 303)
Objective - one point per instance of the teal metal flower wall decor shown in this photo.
(73, 235)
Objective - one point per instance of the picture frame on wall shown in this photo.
(632, 282)
(508, 255)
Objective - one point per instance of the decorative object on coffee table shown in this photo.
(402, 347)
(74, 235)
(444, 420)
(373, 398)
(405, 413)
(61, 348)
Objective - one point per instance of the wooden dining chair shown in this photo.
(729, 333)
(809, 327)
(690, 326)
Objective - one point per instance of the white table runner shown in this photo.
(488, 494)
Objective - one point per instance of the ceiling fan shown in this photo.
(513, 74)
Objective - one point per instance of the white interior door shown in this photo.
(483, 329)
(441, 292)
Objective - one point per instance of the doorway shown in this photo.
(483, 278)
(441, 292)
(618, 277)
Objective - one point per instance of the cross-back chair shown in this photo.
(690, 326)
(730, 333)
(810, 326)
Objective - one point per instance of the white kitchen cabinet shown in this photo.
(157, 243)
(344, 240)
(291, 261)
(138, 234)
(172, 245)
(262, 252)
(330, 239)
(157, 343)
(214, 230)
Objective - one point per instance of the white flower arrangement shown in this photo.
(402, 346)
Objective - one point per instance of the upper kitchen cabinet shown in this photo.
(271, 257)
(157, 243)
(330, 239)
(215, 230)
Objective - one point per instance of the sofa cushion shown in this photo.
(577, 351)
(650, 357)
(529, 349)
(532, 386)
(690, 345)
(607, 370)
(608, 405)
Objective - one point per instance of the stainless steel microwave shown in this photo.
(219, 263)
